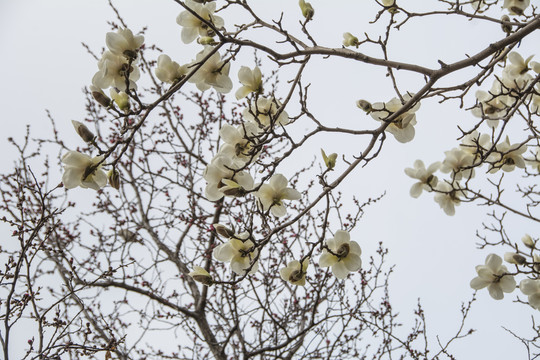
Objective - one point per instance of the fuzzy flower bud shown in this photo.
(364, 105)
(350, 40)
(83, 131)
(514, 258)
(223, 231)
(100, 97)
(528, 241)
(201, 275)
(114, 178)
(307, 9)
(330, 160)
(506, 28)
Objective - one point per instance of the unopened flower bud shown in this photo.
(201, 275)
(83, 131)
(528, 241)
(330, 160)
(364, 105)
(114, 178)
(101, 98)
(206, 40)
(121, 99)
(223, 231)
(505, 27)
(350, 40)
(514, 258)
(307, 9)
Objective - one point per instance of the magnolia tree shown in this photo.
(202, 240)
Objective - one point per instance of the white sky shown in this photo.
(44, 66)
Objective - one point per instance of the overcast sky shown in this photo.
(44, 66)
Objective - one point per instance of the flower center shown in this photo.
(296, 275)
(343, 251)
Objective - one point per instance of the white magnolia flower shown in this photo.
(492, 105)
(344, 255)
(478, 5)
(239, 143)
(192, 27)
(492, 275)
(240, 253)
(507, 156)
(113, 70)
(516, 7)
(169, 71)
(427, 181)
(447, 197)
(78, 171)
(123, 43)
(531, 288)
(295, 272)
(350, 40)
(251, 79)
(213, 73)
(517, 65)
(401, 127)
(476, 144)
(264, 111)
(201, 275)
(457, 161)
(271, 195)
(515, 75)
(222, 181)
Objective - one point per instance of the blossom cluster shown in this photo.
(498, 280)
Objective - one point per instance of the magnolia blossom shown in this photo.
(169, 71)
(123, 43)
(478, 5)
(507, 156)
(271, 195)
(516, 7)
(251, 79)
(515, 75)
(447, 197)
(83, 170)
(113, 70)
(213, 73)
(476, 144)
(402, 127)
(427, 181)
(264, 112)
(458, 162)
(193, 26)
(239, 143)
(295, 272)
(350, 40)
(531, 288)
(201, 275)
(223, 181)
(492, 105)
(492, 275)
(240, 252)
(343, 255)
